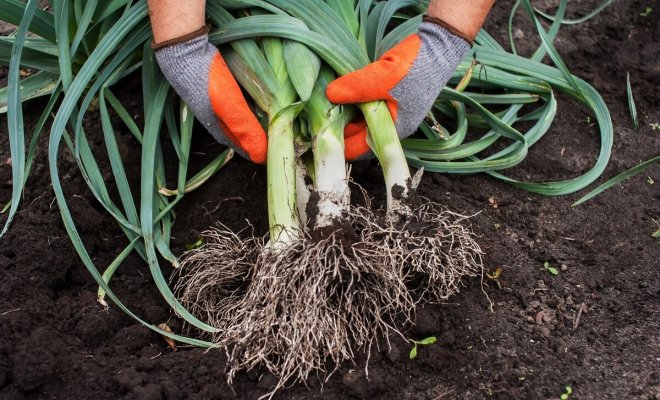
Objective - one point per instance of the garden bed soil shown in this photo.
(593, 327)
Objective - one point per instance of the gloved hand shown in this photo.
(198, 73)
(355, 140)
(409, 77)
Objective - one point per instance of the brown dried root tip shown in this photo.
(322, 300)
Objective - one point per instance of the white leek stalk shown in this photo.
(326, 127)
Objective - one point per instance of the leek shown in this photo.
(326, 126)
(281, 162)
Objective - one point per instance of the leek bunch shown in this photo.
(334, 277)
(350, 279)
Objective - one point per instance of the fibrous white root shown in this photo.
(321, 300)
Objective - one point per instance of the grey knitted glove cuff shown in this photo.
(439, 55)
(186, 66)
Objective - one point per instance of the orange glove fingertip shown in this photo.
(234, 114)
(355, 140)
(376, 80)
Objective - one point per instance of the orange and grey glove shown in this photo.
(198, 73)
(409, 77)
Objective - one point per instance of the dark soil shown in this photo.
(593, 327)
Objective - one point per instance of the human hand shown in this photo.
(408, 77)
(200, 76)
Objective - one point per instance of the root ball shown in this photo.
(320, 300)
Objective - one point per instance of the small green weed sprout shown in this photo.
(195, 245)
(646, 12)
(424, 342)
(590, 121)
(550, 268)
(567, 393)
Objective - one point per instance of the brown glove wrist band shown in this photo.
(449, 28)
(181, 39)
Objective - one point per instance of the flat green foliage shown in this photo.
(84, 47)
(618, 179)
(510, 74)
(424, 342)
(631, 103)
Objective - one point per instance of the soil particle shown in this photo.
(130, 378)
(394, 354)
(34, 361)
(312, 209)
(267, 381)
(427, 323)
(398, 192)
(150, 391)
(360, 385)
(343, 231)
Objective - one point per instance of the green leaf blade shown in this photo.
(631, 102)
(413, 353)
(428, 340)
